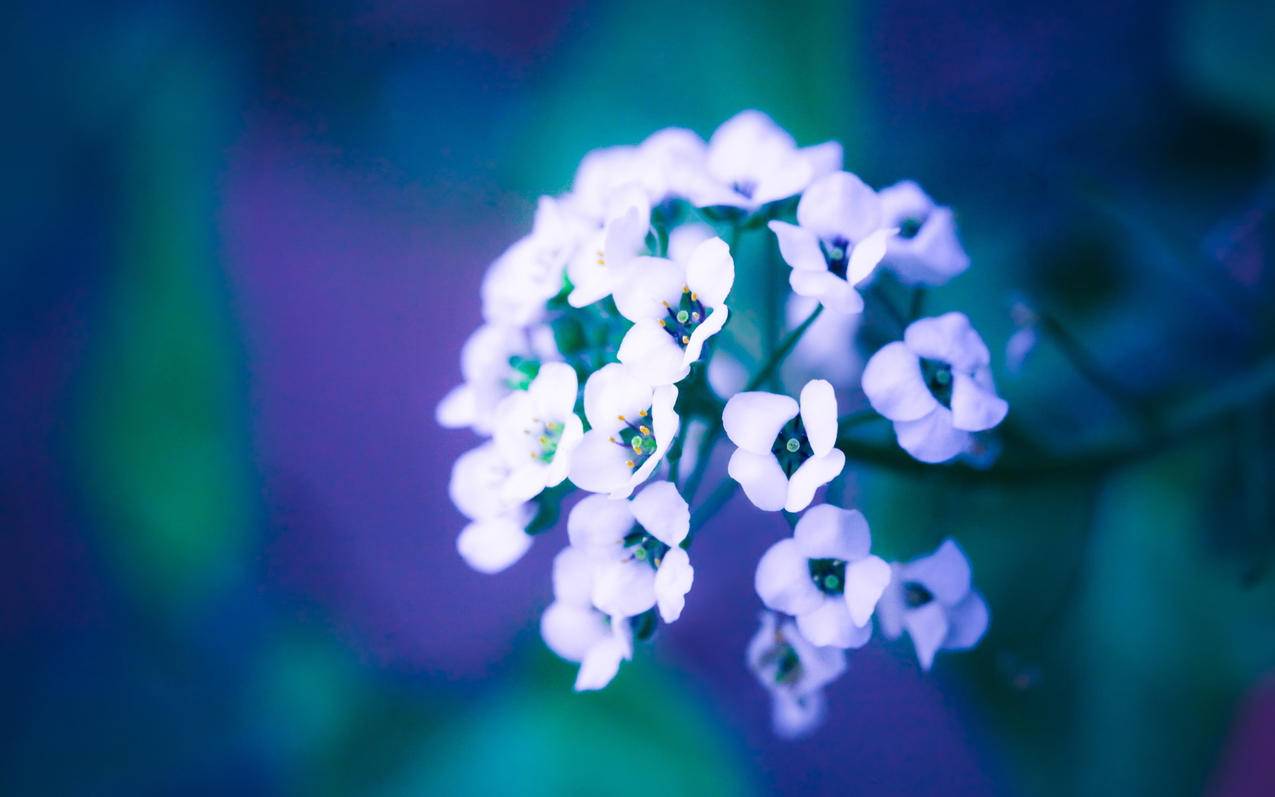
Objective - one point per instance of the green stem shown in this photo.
(721, 494)
(777, 356)
(1088, 367)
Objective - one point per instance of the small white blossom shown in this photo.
(636, 545)
(676, 306)
(537, 431)
(530, 273)
(578, 632)
(495, 361)
(601, 261)
(932, 600)
(794, 672)
(824, 576)
(752, 161)
(936, 385)
(786, 451)
(495, 538)
(663, 166)
(926, 249)
(632, 426)
(837, 241)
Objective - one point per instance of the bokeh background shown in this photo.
(241, 248)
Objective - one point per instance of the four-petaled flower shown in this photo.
(574, 629)
(936, 385)
(632, 426)
(786, 451)
(495, 538)
(931, 598)
(752, 161)
(824, 576)
(837, 241)
(676, 306)
(637, 546)
(925, 250)
(794, 672)
(537, 430)
(495, 361)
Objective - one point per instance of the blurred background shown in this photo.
(242, 246)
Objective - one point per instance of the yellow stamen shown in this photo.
(644, 430)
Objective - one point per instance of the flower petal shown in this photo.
(573, 571)
(967, 621)
(600, 465)
(570, 439)
(600, 665)
(783, 580)
(476, 476)
(839, 205)
(753, 419)
(949, 338)
(458, 409)
(893, 383)
(793, 716)
(830, 625)
(866, 255)
(613, 393)
(932, 438)
(624, 589)
(866, 580)
(645, 285)
(928, 627)
(661, 510)
(652, 354)
(708, 328)
(761, 477)
(975, 408)
(830, 532)
(832, 292)
(672, 582)
(799, 247)
(553, 391)
(492, 545)
(597, 526)
(710, 272)
(819, 415)
(945, 573)
(813, 474)
(571, 631)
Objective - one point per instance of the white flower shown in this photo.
(936, 385)
(662, 166)
(786, 451)
(632, 427)
(576, 631)
(495, 361)
(824, 576)
(496, 537)
(794, 672)
(926, 249)
(530, 272)
(837, 241)
(537, 430)
(752, 161)
(601, 261)
(636, 544)
(931, 598)
(676, 306)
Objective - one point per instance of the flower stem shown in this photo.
(722, 493)
(777, 356)
(1087, 366)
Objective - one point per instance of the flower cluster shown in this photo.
(592, 373)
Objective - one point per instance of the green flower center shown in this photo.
(637, 438)
(938, 378)
(916, 595)
(829, 575)
(684, 318)
(791, 446)
(644, 547)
